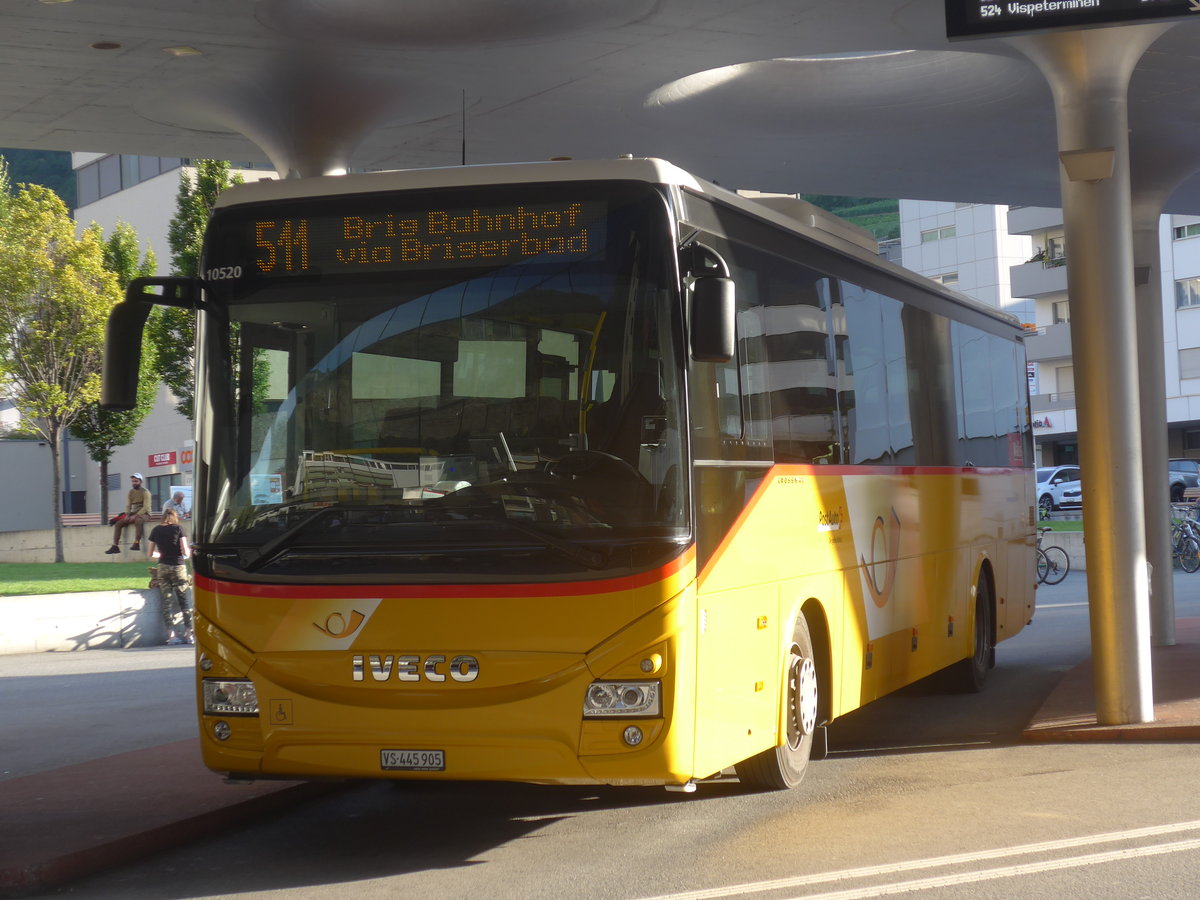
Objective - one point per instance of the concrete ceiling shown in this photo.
(860, 97)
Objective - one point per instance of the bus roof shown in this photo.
(652, 171)
(783, 210)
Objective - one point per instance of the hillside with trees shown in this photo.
(880, 217)
(49, 168)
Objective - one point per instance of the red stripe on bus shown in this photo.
(806, 469)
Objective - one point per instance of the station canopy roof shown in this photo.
(856, 97)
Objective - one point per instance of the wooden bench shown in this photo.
(73, 519)
(70, 520)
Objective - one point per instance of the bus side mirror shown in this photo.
(714, 333)
(123, 334)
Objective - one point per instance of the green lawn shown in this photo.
(21, 579)
(1066, 525)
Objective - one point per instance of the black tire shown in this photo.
(1043, 565)
(969, 675)
(1189, 555)
(1058, 564)
(1046, 505)
(1177, 493)
(783, 767)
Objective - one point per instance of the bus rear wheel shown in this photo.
(784, 766)
(970, 674)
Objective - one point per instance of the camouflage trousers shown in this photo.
(176, 606)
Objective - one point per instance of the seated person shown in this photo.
(137, 511)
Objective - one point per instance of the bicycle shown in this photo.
(1185, 539)
(1053, 563)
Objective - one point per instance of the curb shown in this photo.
(35, 876)
(77, 820)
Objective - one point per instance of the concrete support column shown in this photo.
(1088, 72)
(307, 108)
(1153, 399)
(1158, 168)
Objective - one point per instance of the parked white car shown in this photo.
(1059, 487)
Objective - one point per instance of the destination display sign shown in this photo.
(996, 18)
(357, 237)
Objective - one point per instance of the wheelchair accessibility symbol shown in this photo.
(281, 712)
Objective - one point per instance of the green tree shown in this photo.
(55, 296)
(173, 330)
(5, 188)
(103, 430)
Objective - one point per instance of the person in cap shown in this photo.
(137, 511)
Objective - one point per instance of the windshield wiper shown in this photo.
(574, 552)
(272, 548)
(475, 500)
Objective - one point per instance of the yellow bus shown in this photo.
(580, 472)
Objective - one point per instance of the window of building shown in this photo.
(1189, 363)
(1060, 312)
(1064, 377)
(1187, 231)
(938, 234)
(87, 185)
(1056, 248)
(1187, 293)
(1191, 439)
(950, 279)
(159, 487)
(110, 174)
(129, 171)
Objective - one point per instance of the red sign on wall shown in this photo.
(166, 458)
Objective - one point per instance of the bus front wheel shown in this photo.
(783, 767)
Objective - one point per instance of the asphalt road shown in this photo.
(924, 792)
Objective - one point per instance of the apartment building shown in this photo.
(974, 242)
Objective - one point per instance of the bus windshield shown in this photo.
(369, 409)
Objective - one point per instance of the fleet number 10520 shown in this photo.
(223, 273)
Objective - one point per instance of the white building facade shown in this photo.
(142, 191)
(1016, 258)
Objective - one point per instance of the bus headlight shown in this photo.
(229, 697)
(622, 699)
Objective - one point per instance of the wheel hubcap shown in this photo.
(803, 688)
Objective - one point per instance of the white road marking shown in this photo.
(934, 862)
(1049, 865)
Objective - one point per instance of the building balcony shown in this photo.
(1033, 219)
(1053, 414)
(1040, 403)
(1052, 342)
(1038, 279)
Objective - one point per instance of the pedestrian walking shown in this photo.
(169, 545)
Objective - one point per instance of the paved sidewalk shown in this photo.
(1069, 713)
(67, 822)
(72, 821)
